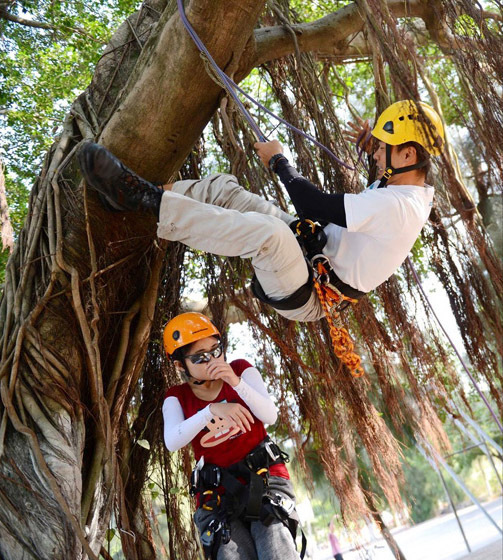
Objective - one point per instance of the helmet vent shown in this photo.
(388, 127)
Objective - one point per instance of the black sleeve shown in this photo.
(308, 200)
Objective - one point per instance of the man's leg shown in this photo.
(224, 190)
(263, 237)
(275, 254)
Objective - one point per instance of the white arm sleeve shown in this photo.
(253, 391)
(178, 431)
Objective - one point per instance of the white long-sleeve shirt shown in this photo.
(179, 431)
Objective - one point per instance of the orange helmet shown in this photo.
(185, 329)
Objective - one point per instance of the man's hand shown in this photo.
(222, 370)
(234, 412)
(265, 150)
(360, 130)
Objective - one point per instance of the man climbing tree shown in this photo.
(366, 236)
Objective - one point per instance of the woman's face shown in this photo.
(200, 354)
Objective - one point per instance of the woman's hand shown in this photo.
(265, 150)
(235, 412)
(223, 371)
(360, 130)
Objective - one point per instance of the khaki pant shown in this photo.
(218, 216)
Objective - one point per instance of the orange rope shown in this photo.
(341, 341)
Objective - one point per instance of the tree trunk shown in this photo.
(82, 285)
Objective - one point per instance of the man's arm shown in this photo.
(306, 197)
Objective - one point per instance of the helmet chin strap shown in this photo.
(195, 381)
(201, 382)
(390, 170)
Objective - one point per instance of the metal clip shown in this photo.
(323, 277)
(208, 534)
(270, 452)
(285, 504)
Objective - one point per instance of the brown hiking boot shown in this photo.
(121, 188)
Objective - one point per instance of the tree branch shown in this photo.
(4, 14)
(336, 35)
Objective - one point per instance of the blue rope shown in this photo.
(231, 87)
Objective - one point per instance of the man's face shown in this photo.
(399, 159)
(380, 158)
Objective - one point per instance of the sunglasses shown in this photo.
(204, 357)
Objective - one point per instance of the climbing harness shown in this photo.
(241, 491)
(334, 295)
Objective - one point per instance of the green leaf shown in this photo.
(110, 534)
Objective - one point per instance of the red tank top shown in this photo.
(220, 441)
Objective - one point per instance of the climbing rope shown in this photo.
(465, 367)
(329, 299)
(231, 87)
(342, 344)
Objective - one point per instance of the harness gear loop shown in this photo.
(300, 223)
(216, 501)
(341, 341)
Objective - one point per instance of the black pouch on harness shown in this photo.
(264, 455)
(205, 478)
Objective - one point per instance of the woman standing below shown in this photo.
(245, 499)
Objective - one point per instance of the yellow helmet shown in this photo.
(185, 329)
(408, 121)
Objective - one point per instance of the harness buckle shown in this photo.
(204, 477)
(284, 504)
(321, 269)
(268, 447)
